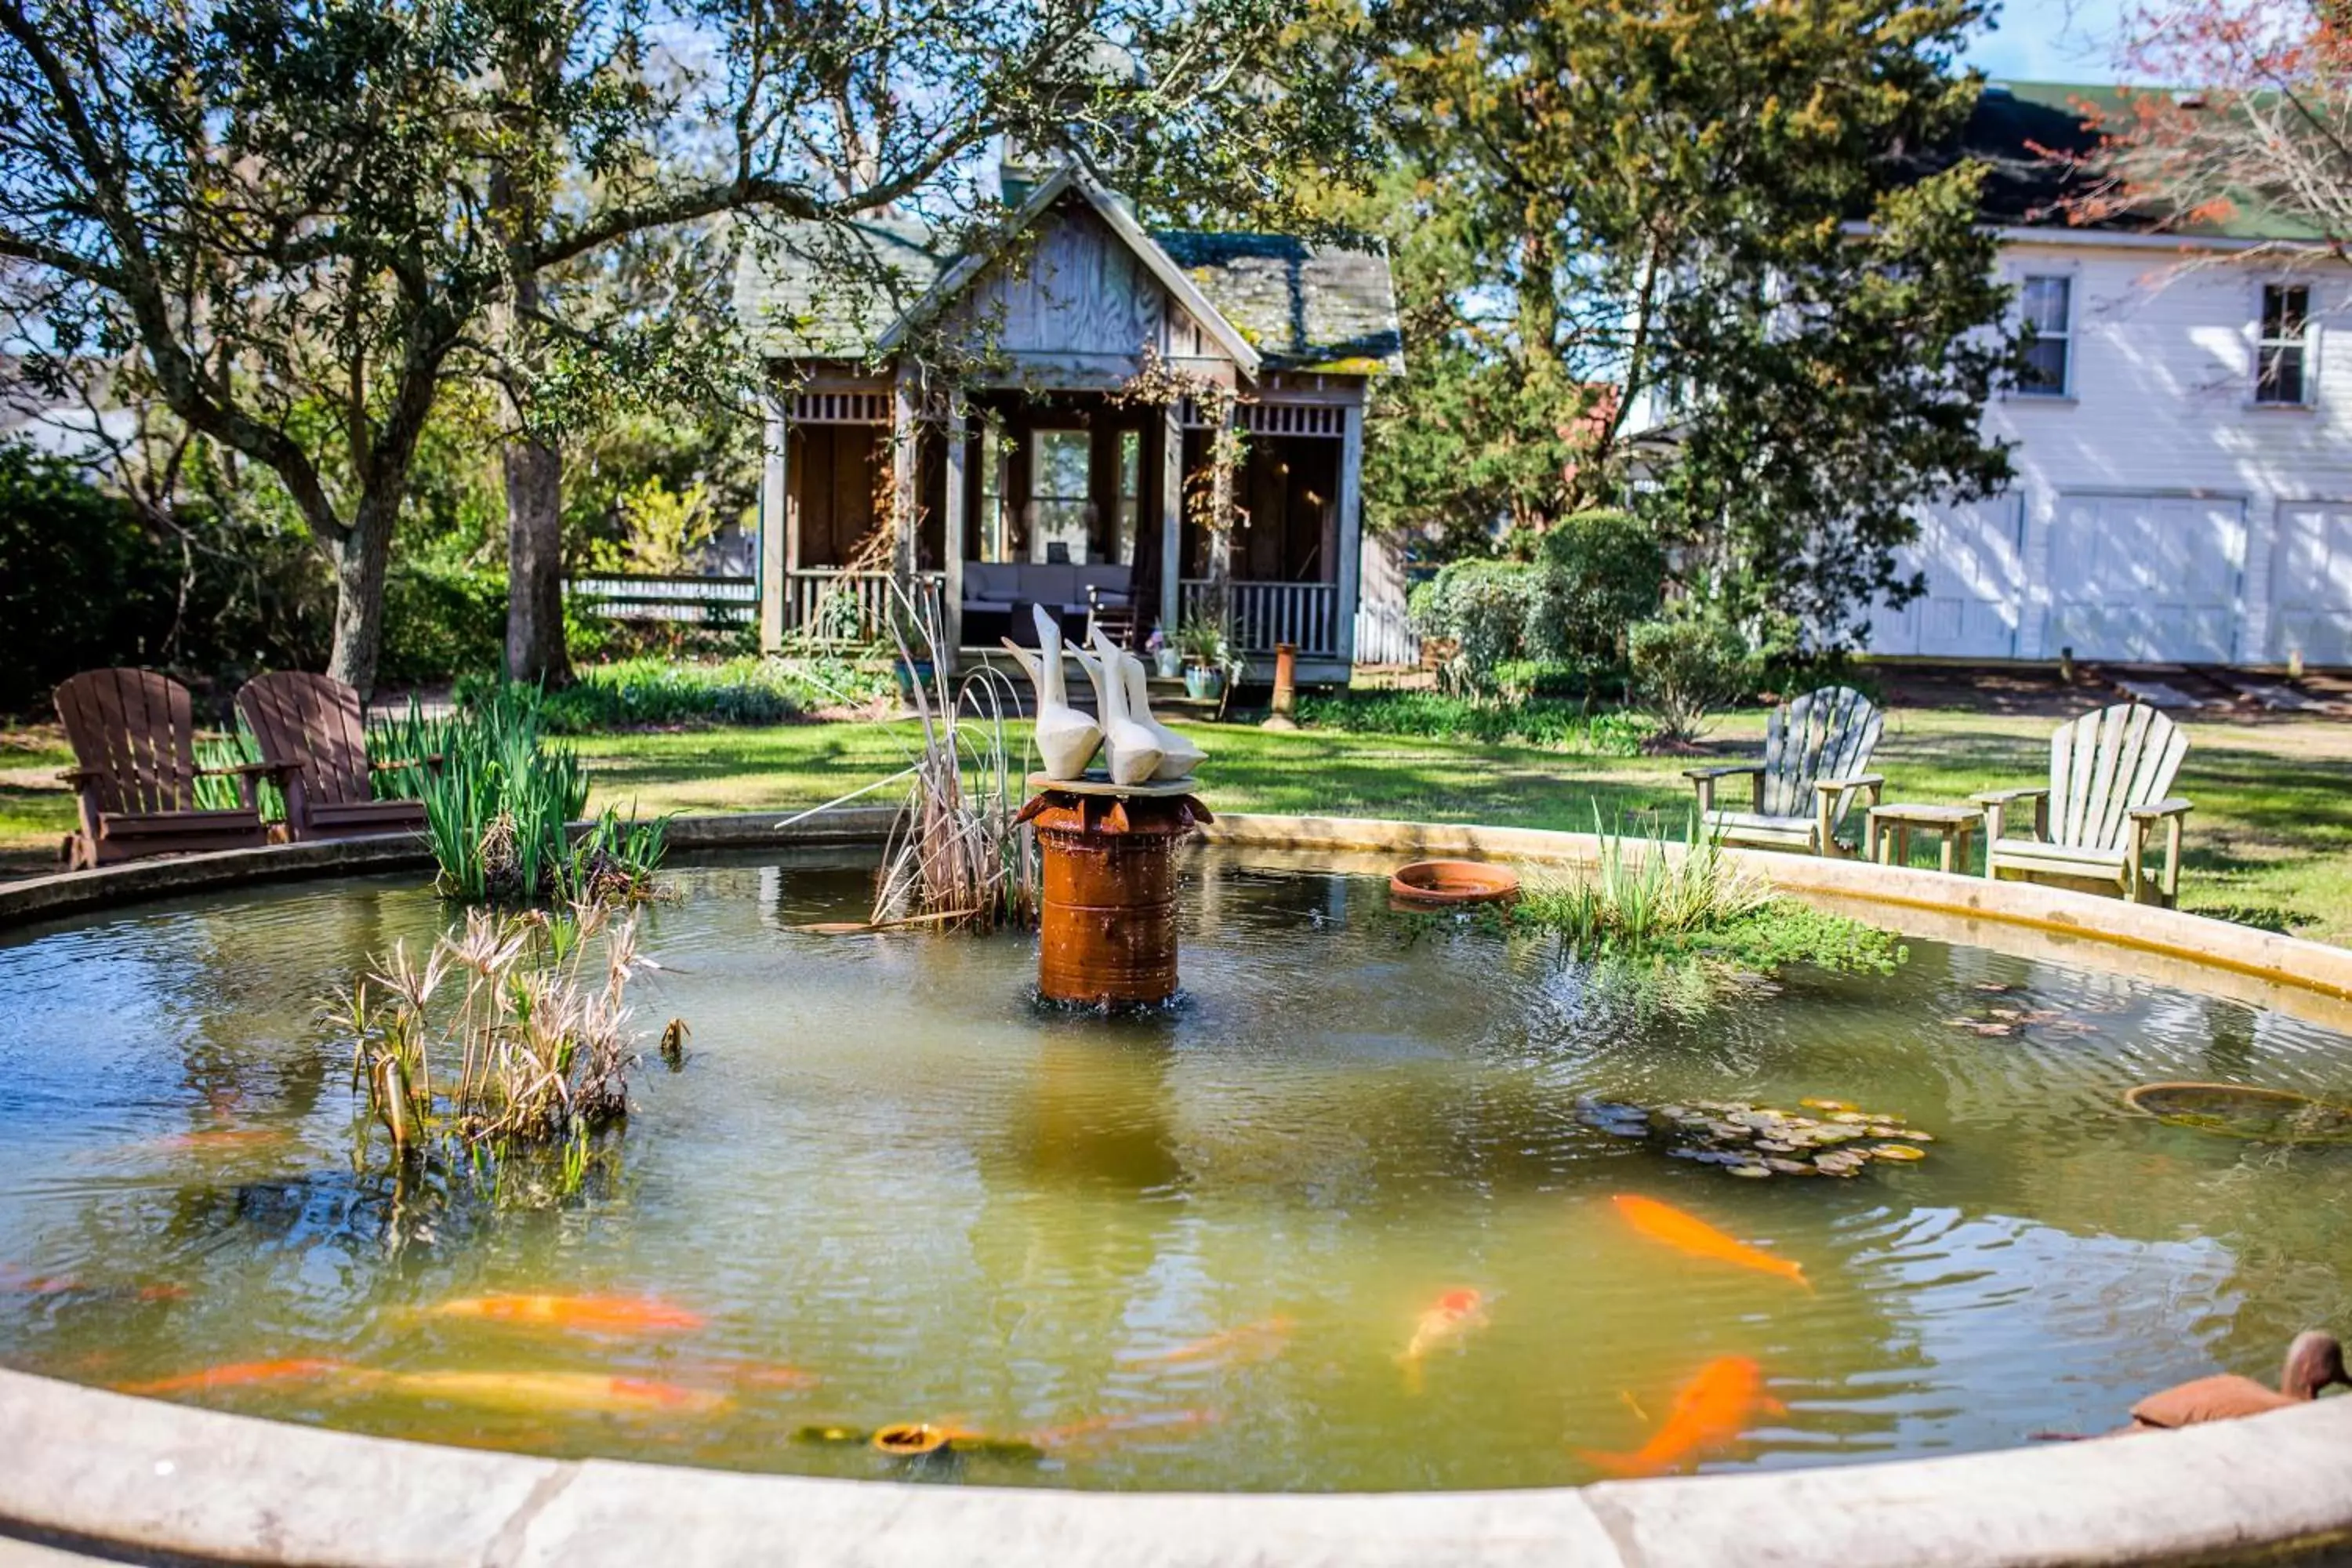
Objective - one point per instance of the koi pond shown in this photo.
(1385, 1201)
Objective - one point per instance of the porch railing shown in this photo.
(1384, 635)
(826, 604)
(1304, 614)
(629, 596)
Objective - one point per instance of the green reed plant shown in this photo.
(224, 792)
(1660, 897)
(499, 808)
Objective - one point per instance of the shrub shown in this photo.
(1598, 574)
(1686, 666)
(441, 617)
(1431, 715)
(1483, 607)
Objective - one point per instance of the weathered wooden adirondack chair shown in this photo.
(311, 733)
(2110, 776)
(1816, 751)
(133, 737)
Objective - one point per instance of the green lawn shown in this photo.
(2271, 842)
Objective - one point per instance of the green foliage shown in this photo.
(1484, 608)
(1686, 666)
(67, 561)
(439, 618)
(498, 809)
(1556, 725)
(1598, 572)
(1730, 219)
(1651, 898)
(661, 693)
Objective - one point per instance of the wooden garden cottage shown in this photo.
(1031, 423)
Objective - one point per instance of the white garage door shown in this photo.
(2152, 578)
(2311, 583)
(1976, 586)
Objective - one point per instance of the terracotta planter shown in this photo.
(1438, 882)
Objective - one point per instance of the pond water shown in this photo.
(1190, 1249)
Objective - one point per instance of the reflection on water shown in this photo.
(1186, 1249)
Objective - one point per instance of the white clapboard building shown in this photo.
(2183, 450)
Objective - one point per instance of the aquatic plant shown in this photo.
(956, 855)
(1642, 890)
(1652, 896)
(508, 1039)
(499, 813)
(223, 792)
(410, 735)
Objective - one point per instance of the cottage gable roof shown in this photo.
(1270, 301)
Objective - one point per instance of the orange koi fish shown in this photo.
(1249, 1341)
(752, 1375)
(220, 1138)
(1710, 1413)
(1453, 1314)
(237, 1374)
(1162, 1422)
(536, 1391)
(583, 1314)
(1694, 1236)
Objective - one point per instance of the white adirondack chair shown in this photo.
(2111, 776)
(1816, 751)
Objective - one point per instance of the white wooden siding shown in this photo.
(2157, 505)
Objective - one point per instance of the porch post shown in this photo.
(905, 493)
(1351, 534)
(956, 505)
(1172, 518)
(777, 526)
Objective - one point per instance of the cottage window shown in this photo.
(2282, 347)
(2049, 305)
(995, 537)
(1060, 493)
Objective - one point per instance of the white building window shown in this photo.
(2049, 308)
(2283, 346)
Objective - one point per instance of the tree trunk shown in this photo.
(534, 467)
(534, 478)
(360, 558)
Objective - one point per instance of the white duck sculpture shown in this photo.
(1066, 738)
(1131, 751)
(1178, 756)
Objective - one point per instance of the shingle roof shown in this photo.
(810, 292)
(1302, 306)
(2035, 136)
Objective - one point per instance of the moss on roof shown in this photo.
(811, 292)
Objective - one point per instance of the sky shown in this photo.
(2050, 40)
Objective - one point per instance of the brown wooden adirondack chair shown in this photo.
(1816, 751)
(2110, 776)
(309, 730)
(133, 736)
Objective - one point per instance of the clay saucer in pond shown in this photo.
(1440, 883)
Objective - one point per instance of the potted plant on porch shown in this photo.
(1210, 661)
(1166, 657)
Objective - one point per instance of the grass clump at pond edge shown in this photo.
(1655, 896)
